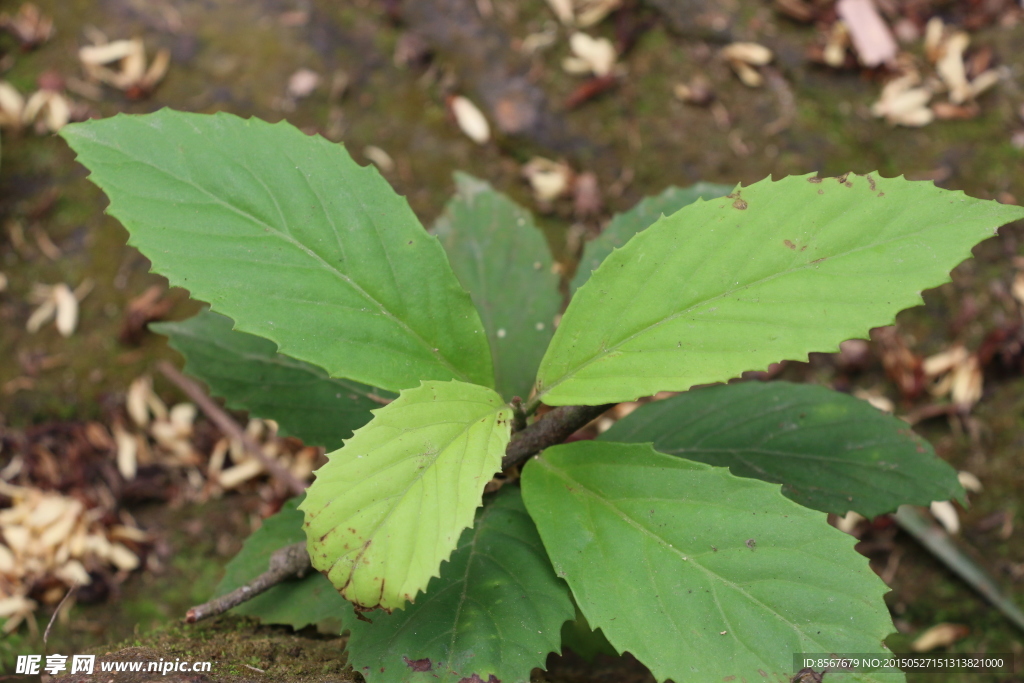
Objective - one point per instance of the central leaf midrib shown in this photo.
(609, 349)
(291, 240)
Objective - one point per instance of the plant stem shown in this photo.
(518, 415)
(531, 406)
(554, 428)
(293, 560)
(287, 562)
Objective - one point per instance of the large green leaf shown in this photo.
(772, 271)
(700, 574)
(390, 505)
(288, 236)
(298, 602)
(830, 451)
(624, 225)
(496, 610)
(503, 260)
(251, 375)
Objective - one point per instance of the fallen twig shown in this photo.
(230, 427)
(291, 561)
(67, 596)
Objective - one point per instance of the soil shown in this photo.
(237, 56)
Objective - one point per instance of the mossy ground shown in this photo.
(239, 650)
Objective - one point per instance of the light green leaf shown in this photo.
(773, 271)
(496, 610)
(298, 602)
(390, 505)
(251, 375)
(293, 240)
(624, 225)
(503, 260)
(700, 574)
(830, 451)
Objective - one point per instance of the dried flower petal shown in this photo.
(597, 53)
(67, 309)
(548, 179)
(470, 119)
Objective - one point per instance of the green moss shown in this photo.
(238, 648)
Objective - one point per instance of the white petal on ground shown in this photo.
(944, 511)
(67, 309)
(302, 83)
(598, 53)
(380, 158)
(563, 9)
(871, 36)
(471, 120)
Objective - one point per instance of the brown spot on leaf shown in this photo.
(815, 179)
(726, 679)
(842, 179)
(881, 194)
(475, 678)
(789, 244)
(819, 260)
(821, 191)
(739, 204)
(419, 664)
(871, 182)
(848, 183)
(751, 543)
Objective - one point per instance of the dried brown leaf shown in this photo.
(940, 635)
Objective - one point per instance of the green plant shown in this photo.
(349, 322)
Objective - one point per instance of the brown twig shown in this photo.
(554, 428)
(286, 563)
(60, 606)
(293, 560)
(230, 427)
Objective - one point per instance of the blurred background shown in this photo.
(110, 476)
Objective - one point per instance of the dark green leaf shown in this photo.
(496, 610)
(830, 451)
(503, 260)
(624, 225)
(248, 372)
(700, 574)
(297, 603)
(288, 236)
